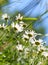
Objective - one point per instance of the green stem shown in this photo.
(30, 19)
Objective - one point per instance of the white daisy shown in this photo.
(21, 23)
(41, 48)
(39, 42)
(5, 16)
(3, 26)
(25, 37)
(19, 17)
(32, 41)
(20, 47)
(45, 54)
(30, 33)
(18, 27)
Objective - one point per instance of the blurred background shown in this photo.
(29, 8)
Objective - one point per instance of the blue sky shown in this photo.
(19, 5)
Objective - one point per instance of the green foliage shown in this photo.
(3, 2)
(9, 53)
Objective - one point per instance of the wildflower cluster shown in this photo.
(19, 45)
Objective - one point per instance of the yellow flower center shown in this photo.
(37, 43)
(30, 35)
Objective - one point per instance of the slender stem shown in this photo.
(30, 19)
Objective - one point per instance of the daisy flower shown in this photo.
(30, 33)
(22, 24)
(20, 47)
(18, 27)
(41, 48)
(3, 26)
(45, 54)
(19, 17)
(5, 16)
(39, 42)
(25, 37)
